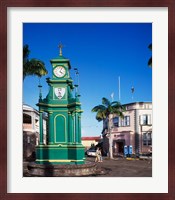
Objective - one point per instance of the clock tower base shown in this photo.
(54, 170)
(60, 154)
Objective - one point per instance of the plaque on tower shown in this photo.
(60, 92)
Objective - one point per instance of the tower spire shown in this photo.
(60, 46)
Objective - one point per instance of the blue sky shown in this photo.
(102, 52)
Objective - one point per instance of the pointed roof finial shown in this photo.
(60, 46)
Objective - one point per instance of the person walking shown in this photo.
(100, 156)
(97, 158)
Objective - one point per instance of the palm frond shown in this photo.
(150, 46)
(38, 67)
(32, 66)
(150, 62)
(116, 103)
(26, 51)
(106, 102)
(97, 108)
(103, 111)
(118, 113)
(100, 116)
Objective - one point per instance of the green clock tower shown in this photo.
(63, 145)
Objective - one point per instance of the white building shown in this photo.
(31, 130)
(134, 130)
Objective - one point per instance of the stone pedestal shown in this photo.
(50, 170)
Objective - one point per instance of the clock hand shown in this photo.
(61, 70)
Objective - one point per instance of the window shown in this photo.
(27, 119)
(147, 138)
(116, 121)
(125, 121)
(145, 120)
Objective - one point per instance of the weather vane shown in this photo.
(60, 46)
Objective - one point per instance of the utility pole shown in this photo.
(112, 96)
(119, 88)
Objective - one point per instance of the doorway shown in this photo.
(119, 147)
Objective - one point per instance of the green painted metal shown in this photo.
(63, 144)
(41, 128)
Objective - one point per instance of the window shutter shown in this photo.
(149, 120)
(141, 119)
(128, 120)
(118, 121)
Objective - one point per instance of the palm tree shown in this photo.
(106, 111)
(150, 60)
(32, 66)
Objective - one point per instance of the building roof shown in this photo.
(91, 138)
(141, 102)
(29, 108)
(138, 105)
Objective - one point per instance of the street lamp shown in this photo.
(78, 82)
(40, 90)
(76, 90)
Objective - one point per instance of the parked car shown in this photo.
(91, 152)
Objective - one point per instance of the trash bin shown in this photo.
(130, 150)
(125, 151)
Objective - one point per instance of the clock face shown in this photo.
(59, 71)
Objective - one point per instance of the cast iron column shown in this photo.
(50, 129)
(79, 129)
(76, 128)
(41, 127)
(70, 138)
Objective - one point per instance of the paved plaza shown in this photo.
(118, 167)
(121, 167)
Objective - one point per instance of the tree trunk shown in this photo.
(110, 146)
